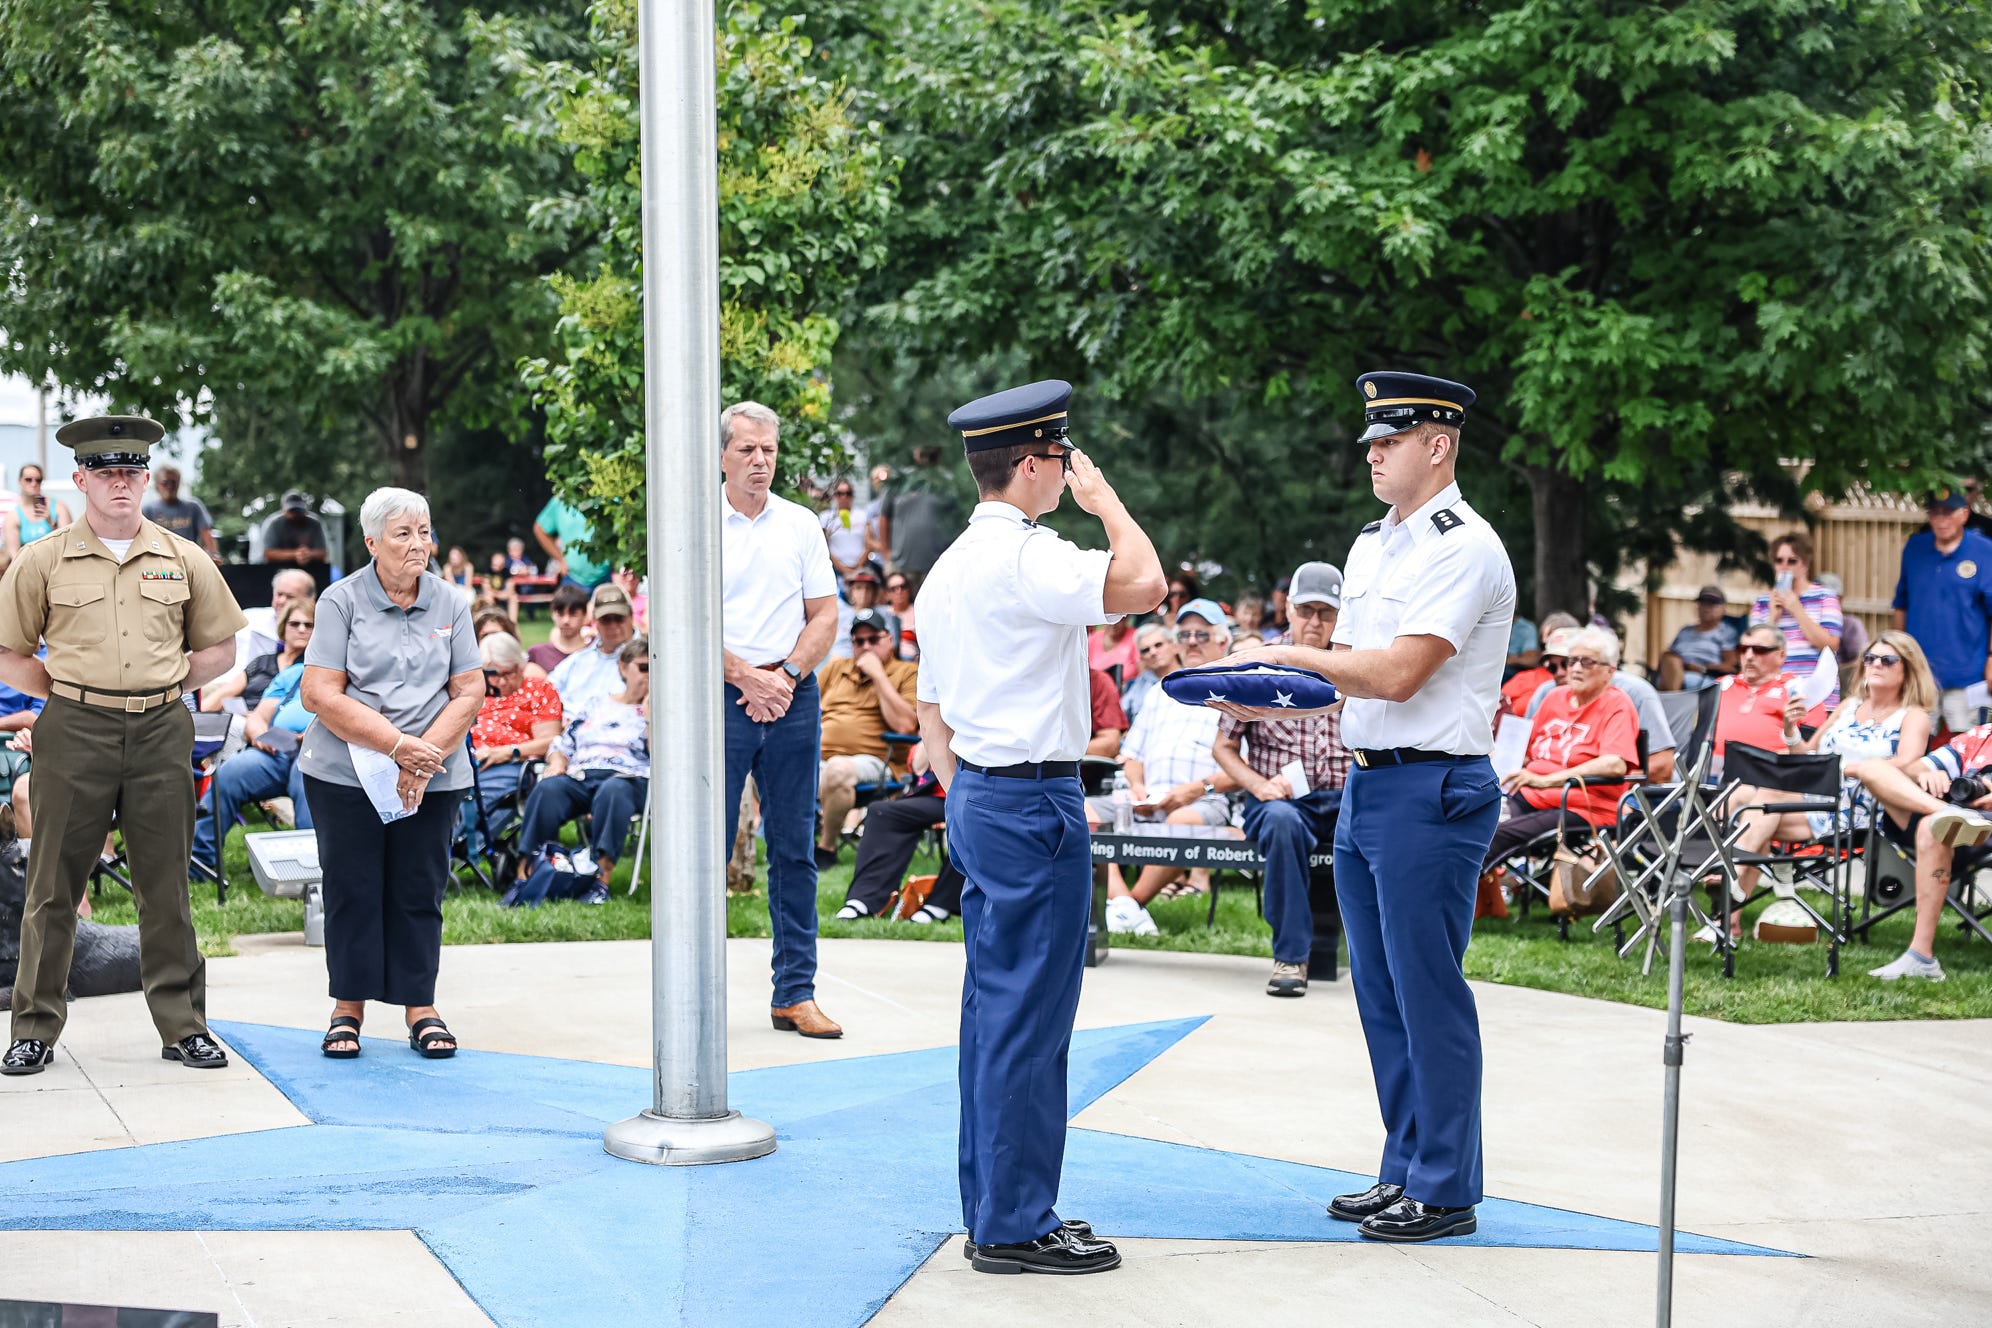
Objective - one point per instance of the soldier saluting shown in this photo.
(134, 617)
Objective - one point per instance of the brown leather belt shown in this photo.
(131, 705)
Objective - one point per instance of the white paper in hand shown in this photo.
(378, 776)
(1295, 775)
(1511, 746)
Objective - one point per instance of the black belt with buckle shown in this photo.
(1373, 756)
(1026, 769)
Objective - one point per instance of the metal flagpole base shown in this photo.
(687, 1143)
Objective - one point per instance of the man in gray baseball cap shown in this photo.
(1292, 772)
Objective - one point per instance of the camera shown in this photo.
(1968, 788)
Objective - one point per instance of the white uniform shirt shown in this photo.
(1003, 619)
(770, 565)
(1420, 576)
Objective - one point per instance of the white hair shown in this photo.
(1600, 640)
(501, 650)
(745, 410)
(383, 505)
(1147, 630)
(295, 576)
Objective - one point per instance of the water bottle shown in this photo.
(1123, 805)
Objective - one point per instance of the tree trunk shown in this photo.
(1562, 579)
(408, 419)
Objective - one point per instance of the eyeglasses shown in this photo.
(1585, 662)
(305, 623)
(1064, 459)
(1189, 635)
(891, 586)
(845, 493)
(1555, 662)
(1889, 661)
(862, 641)
(642, 665)
(1752, 648)
(1309, 611)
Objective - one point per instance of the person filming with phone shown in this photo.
(1806, 612)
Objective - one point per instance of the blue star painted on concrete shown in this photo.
(496, 1163)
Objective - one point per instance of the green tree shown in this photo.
(1671, 245)
(804, 190)
(305, 221)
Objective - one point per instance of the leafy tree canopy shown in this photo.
(297, 222)
(1666, 243)
(805, 186)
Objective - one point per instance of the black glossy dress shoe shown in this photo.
(1356, 1207)
(1408, 1221)
(1059, 1252)
(27, 1056)
(197, 1051)
(1083, 1230)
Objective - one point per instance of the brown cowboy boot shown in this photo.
(807, 1020)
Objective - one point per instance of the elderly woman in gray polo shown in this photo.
(392, 668)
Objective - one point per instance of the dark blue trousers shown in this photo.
(1408, 848)
(612, 800)
(783, 758)
(1287, 832)
(1023, 846)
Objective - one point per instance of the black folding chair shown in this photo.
(1532, 863)
(1815, 777)
(1891, 885)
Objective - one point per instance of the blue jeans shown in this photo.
(782, 757)
(612, 799)
(494, 786)
(250, 775)
(1287, 832)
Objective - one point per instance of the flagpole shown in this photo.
(688, 1121)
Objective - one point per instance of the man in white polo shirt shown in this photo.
(778, 619)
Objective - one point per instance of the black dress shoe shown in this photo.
(1059, 1252)
(197, 1050)
(1356, 1207)
(27, 1056)
(1407, 1220)
(1083, 1230)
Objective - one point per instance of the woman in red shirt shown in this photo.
(1585, 727)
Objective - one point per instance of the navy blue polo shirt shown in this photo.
(1948, 598)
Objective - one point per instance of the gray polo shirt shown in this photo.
(397, 661)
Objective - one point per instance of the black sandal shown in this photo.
(425, 1042)
(337, 1033)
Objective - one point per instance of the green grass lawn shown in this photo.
(1773, 983)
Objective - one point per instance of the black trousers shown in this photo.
(383, 892)
(1525, 823)
(892, 832)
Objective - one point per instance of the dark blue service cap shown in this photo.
(1033, 413)
(1394, 402)
(1947, 499)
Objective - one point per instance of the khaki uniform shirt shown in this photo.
(110, 626)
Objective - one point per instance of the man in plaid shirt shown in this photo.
(1286, 821)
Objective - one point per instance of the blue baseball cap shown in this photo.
(1206, 610)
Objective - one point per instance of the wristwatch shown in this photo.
(1210, 789)
(794, 673)
(516, 753)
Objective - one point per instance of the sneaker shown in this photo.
(1287, 980)
(594, 894)
(1910, 965)
(1127, 918)
(1959, 827)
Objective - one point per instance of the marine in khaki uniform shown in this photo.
(133, 616)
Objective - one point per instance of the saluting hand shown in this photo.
(1089, 487)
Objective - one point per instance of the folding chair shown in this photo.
(1888, 866)
(1530, 864)
(1816, 778)
(900, 746)
(1659, 827)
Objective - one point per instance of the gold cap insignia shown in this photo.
(1369, 389)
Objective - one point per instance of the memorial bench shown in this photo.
(1217, 849)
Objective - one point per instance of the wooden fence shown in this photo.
(1859, 540)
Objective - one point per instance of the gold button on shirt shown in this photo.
(121, 627)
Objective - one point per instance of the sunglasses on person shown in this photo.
(892, 587)
(1188, 636)
(1586, 662)
(1555, 663)
(642, 665)
(1889, 661)
(844, 493)
(306, 623)
(870, 639)
(1307, 612)
(1752, 648)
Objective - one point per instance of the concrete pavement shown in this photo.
(1865, 1146)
